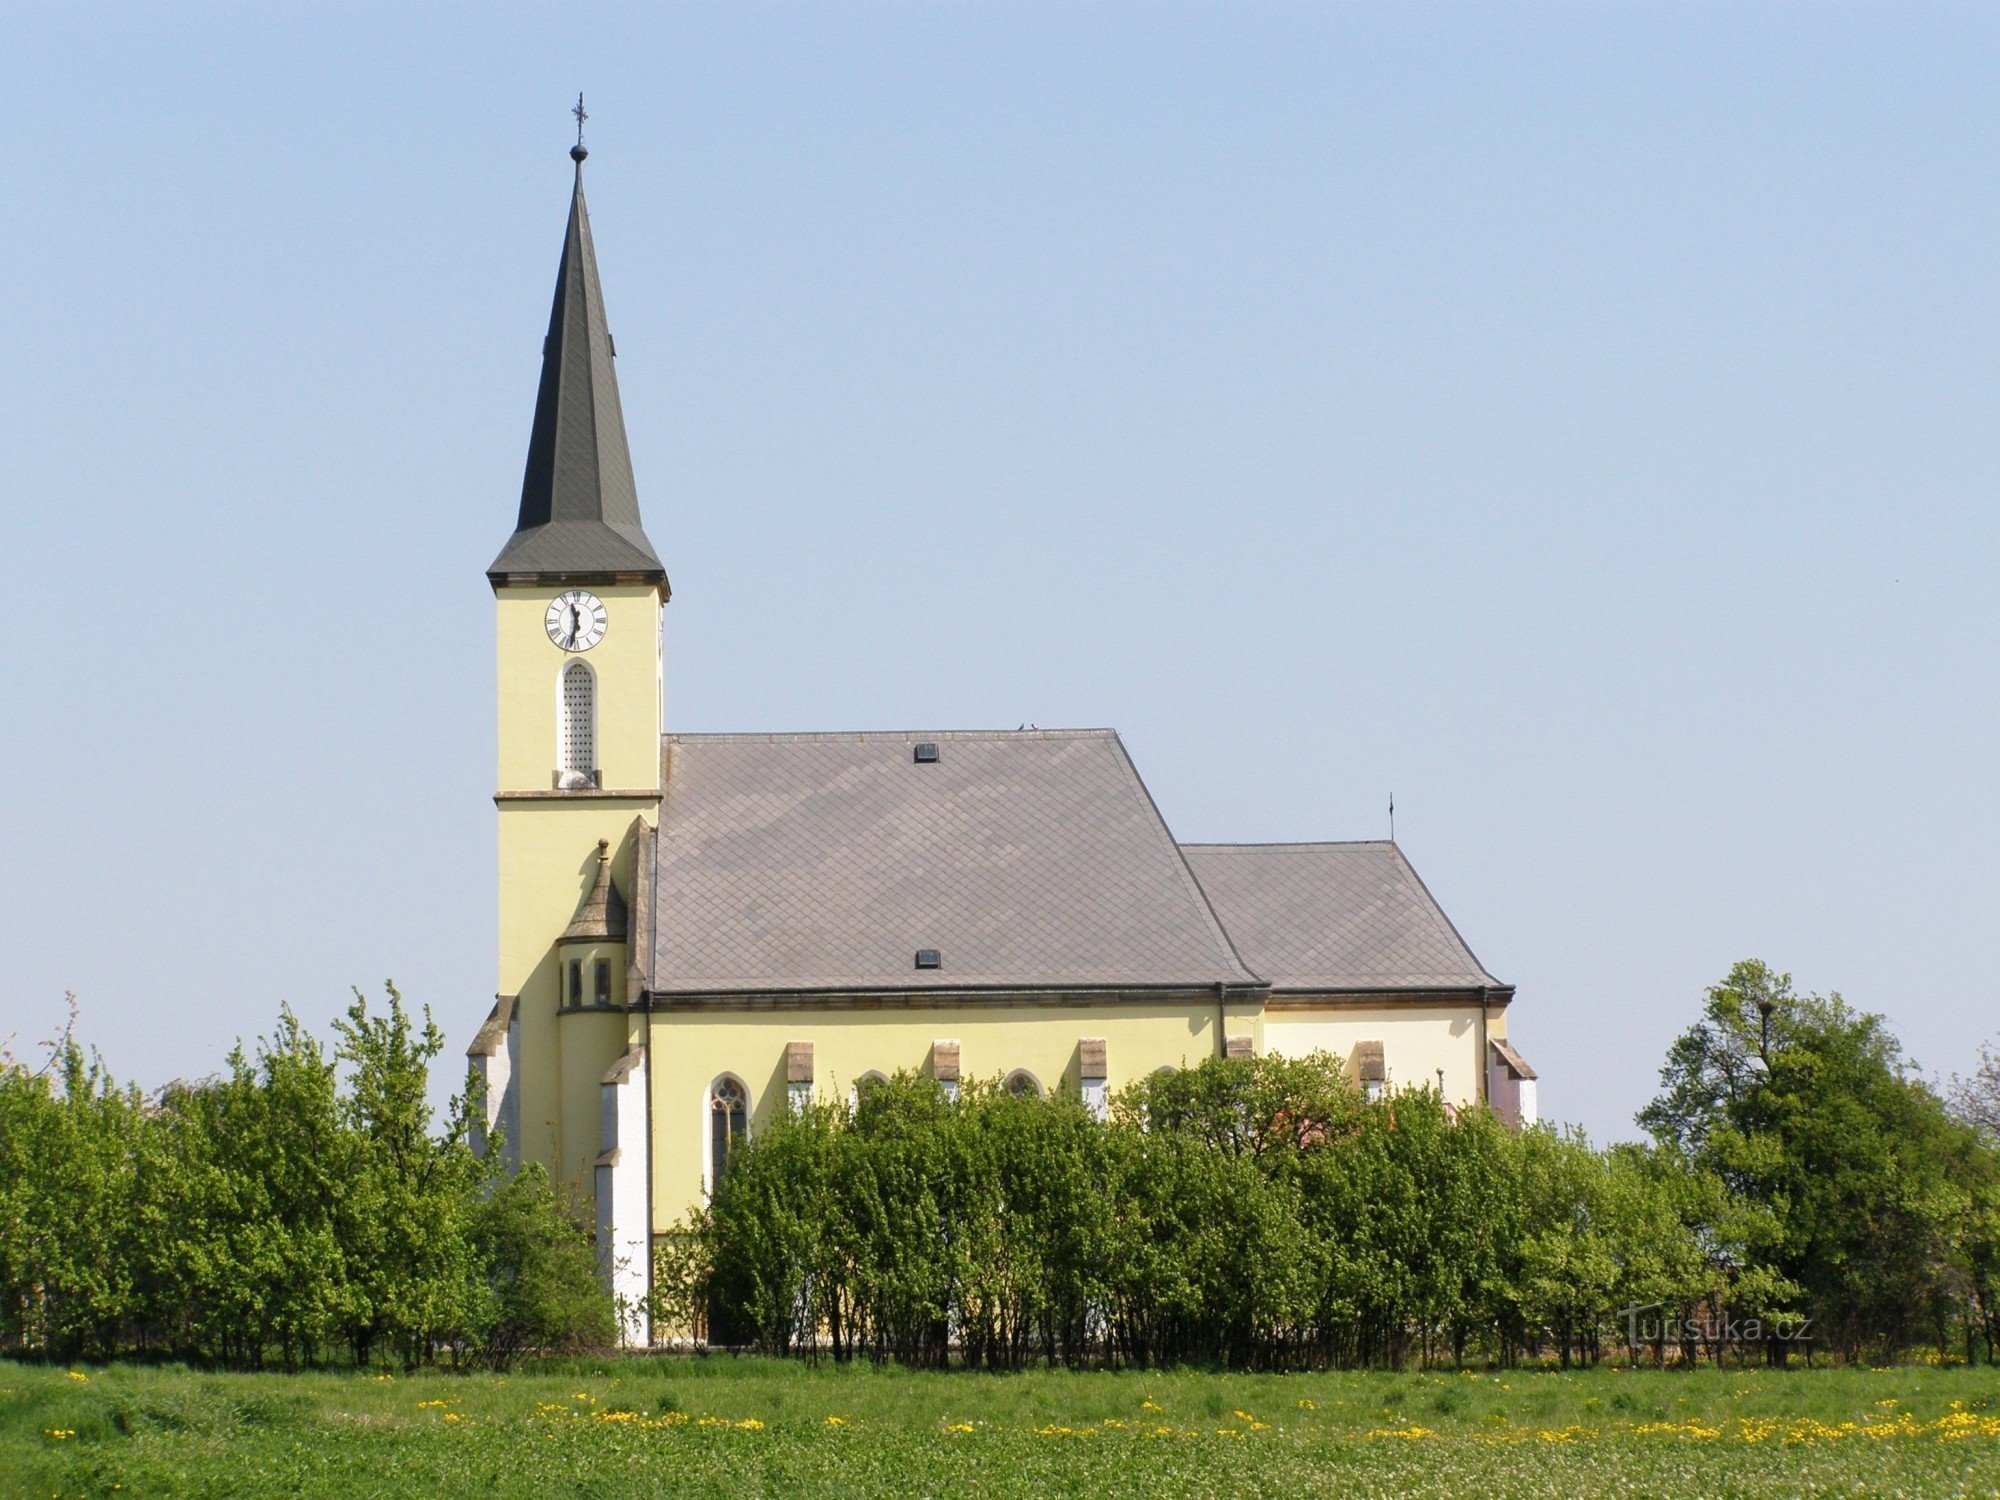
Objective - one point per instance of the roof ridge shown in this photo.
(775, 736)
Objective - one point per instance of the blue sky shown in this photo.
(1578, 421)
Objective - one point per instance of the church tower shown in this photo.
(578, 593)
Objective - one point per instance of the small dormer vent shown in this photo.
(927, 753)
(928, 958)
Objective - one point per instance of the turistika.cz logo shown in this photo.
(1650, 1323)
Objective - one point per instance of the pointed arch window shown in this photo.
(728, 1123)
(1023, 1085)
(576, 733)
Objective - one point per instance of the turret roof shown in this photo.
(602, 915)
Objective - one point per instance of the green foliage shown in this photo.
(299, 1205)
(1874, 1199)
(1805, 1191)
(1250, 1213)
(541, 1286)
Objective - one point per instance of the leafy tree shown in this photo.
(540, 1284)
(271, 1211)
(1807, 1108)
(410, 1194)
(1976, 1100)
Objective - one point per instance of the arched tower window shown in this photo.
(1022, 1085)
(576, 734)
(728, 1123)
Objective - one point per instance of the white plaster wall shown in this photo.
(1416, 1042)
(624, 1224)
(500, 1073)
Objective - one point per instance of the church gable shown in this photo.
(854, 862)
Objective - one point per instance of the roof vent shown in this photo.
(927, 752)
(927, 958)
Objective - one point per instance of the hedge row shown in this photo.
(1261, 1214)
(299, 1208)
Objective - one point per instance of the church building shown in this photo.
(698, 931)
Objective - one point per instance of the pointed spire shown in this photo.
(602, 915)
(579, 506)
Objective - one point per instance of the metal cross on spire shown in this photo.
(578, 152)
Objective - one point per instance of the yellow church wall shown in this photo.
(548, 859)
(591, 1042)
(1417, 1041)
(691, 1049)
(626, 663)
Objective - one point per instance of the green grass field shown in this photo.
(724, 1426)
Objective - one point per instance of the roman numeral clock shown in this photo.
(576, 620)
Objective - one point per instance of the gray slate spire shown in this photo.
(579, 507)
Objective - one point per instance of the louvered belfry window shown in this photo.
(579, 719)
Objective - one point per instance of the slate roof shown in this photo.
(579, 507)
(823, 862)
(1334, 918)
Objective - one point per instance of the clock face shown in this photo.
(576, 620)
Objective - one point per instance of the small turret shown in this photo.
(601, 918)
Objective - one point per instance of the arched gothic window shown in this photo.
(1022, 1085)
(576, 737)
(728, 1123)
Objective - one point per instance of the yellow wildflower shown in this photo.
(833, 1421)
(78, 1375)
(1305, 1404)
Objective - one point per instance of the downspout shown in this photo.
(1485, 999)
(1221, 1018)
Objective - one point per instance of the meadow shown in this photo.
(730, 1426)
